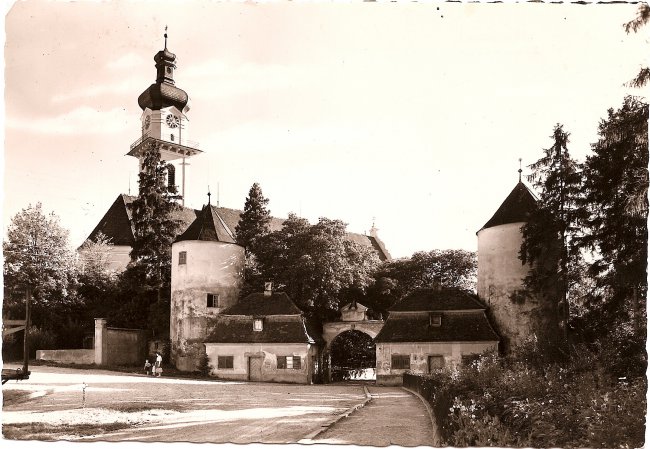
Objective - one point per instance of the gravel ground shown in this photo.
(166, 409)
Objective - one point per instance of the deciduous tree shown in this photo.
(314, 264)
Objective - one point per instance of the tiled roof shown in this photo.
(430, 300)
(454, 326)
(256, 304)
(116, 224)
(208, 226)
(515, 209)
(274, 330)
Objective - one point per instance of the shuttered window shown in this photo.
(289, 362)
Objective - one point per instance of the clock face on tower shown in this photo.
(172, 120)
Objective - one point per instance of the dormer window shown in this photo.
(258, 325)
(435, 319)
(182, 257)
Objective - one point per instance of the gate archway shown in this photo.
(352, 356)
(353, 318)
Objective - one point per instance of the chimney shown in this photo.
(268, 288)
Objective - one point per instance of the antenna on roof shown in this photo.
(519, 170)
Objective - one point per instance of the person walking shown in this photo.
(158, 365)
(147, 367)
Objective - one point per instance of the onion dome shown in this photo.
(163, 93)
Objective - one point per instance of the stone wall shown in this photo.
(71, 356)
(516, 316)
(211, 267)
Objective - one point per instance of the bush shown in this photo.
(519, 402)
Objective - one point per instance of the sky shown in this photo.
(409, 115)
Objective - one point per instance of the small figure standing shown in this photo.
(158, 364)
(147, 367)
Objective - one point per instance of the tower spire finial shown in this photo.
(209, 195)
(519, 170)
(165, 37)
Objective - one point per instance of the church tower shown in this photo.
(164, 120)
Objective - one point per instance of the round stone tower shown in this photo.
(517, 315)
(207, 273)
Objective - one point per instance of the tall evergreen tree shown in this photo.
(616, 203)
(254, 222)
(155, 223)
(549, 244)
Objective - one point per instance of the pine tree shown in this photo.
(254, 222)
(549, 244)
(616, 203)
(154, 222)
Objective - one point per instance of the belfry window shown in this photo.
(171, 176)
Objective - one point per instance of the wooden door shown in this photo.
(436, 363)
(255, 369)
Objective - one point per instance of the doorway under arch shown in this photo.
(352, 356)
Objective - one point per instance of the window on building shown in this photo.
(289, 362)
(436, 362)
(399, 361)
(225, 362)
(435, 319)
(182, 258)
(258, 325)
(213, 300)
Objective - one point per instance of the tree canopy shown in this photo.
(154, 221)
(315, 264)
(549, 236)
(254, 221)
(37, 254)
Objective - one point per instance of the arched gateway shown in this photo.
(353, 318)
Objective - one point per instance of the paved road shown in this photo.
(167, 409)
(392, 417)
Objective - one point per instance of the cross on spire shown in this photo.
(519, 170)
(165, 37)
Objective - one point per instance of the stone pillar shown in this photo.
(100, 341)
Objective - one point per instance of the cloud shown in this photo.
(127, 61)
(127, 86)
(215, 78)
(82, 120)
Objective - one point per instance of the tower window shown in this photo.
(213, 300)
(171, 137)
(171, 176)
(182, 258)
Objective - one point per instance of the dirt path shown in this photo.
(393, 417)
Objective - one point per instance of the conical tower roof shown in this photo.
(515, 209)
(208, 226)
